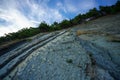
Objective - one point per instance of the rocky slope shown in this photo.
(90, 51)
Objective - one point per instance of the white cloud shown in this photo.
(11, 12)
(9, 29)
(19, 14)
(61, 7)
(13, 16)
(87, 4)
(79, 6)
(70, 6)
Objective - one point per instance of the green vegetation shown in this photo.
(69, 61)
(113, 38)
(111, 9)
(21, 34)
(44, 27)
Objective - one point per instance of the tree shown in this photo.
(111, 9)
(92, 13)
(117, 6)
(77, 20)
(44, 27)
(55, 23)
(65, 24)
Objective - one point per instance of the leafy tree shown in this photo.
(2, 39)
(65, 24)
(55, 23)
(77, 20)
(27, 32)
(105, 9)
(44, 27)
(55, 26)
(92, 13)
(117, 6)
(111, 9)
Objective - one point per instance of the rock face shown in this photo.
(93, 53)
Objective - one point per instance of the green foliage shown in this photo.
(2, 39)
(105, 9)
(44, 27)
(69, 61)
(92, 13)
(55, 26)
(65, 24)
(27, 32)
(77, 20)
(117, 6)
(111, 9)
(55, 23)
(21, 34)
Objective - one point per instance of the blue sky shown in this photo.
(18, 14)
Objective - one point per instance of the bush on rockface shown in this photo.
(44, 27)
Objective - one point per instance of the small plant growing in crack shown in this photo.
(69, 61)
(92, 59)
(29, 40)
(68, 47)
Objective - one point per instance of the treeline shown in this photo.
(44, 27)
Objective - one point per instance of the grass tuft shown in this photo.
(114, 39)
(79, 32)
